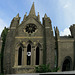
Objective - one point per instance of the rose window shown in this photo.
(30, 28)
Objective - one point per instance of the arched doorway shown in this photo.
(28, 54)
(20, 56)
(37, 56)
(67, 64)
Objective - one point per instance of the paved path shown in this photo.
(71, 72)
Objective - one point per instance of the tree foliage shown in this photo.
(3, 36)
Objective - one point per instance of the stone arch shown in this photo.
(29, 42)
(19, 48)
(29, 45)
(38, 46)
(19, 44)
(67, 64)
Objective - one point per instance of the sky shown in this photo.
(61, 12)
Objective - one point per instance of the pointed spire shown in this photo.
(57, 31)
(45, 15)
(38, 13)
(25, 16)
(17, 16)
(32, 11)
(38, 16)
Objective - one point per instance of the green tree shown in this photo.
(3, 36)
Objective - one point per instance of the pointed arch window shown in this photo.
(28, 54)
(20, 56)
(37, 55)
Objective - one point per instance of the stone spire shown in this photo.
(38, 16)
(32, 11)
(17, 16)
(57, 31)
(25, 16)
(45, 15)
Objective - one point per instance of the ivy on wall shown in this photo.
(3, 36)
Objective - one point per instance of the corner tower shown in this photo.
(49, 42)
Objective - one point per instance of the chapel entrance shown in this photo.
(67, 65)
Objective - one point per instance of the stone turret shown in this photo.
(9, 45)
(48, 41)
(38, 17)
(56, 44)
(56, 33)
(15, 22)
(25, 16)
(72, 29)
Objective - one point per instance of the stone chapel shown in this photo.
(32, 43)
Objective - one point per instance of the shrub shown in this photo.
(45, 68)
(1, 74)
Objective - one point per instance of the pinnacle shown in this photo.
(32, 11)
(57, 29)
(17, 16)
(45, 15)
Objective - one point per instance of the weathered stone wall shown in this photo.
(43, 37)
(23, 36)
(65, 49)
(17, 36)
(49, 42)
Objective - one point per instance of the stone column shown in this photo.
(41, 57)
(25, 56)
(22, 56)
(16, 57)
(32, 55)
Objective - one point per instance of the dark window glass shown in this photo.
(37, 56)
(28, 54)
(20, 56)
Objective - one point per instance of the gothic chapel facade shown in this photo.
(31, 43)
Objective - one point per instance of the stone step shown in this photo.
(69, 72)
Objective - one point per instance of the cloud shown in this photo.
(66, 6)
(2, 25)
(65, 32)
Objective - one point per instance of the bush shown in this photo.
(55, 70)
(45, 68)
(1, 74)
